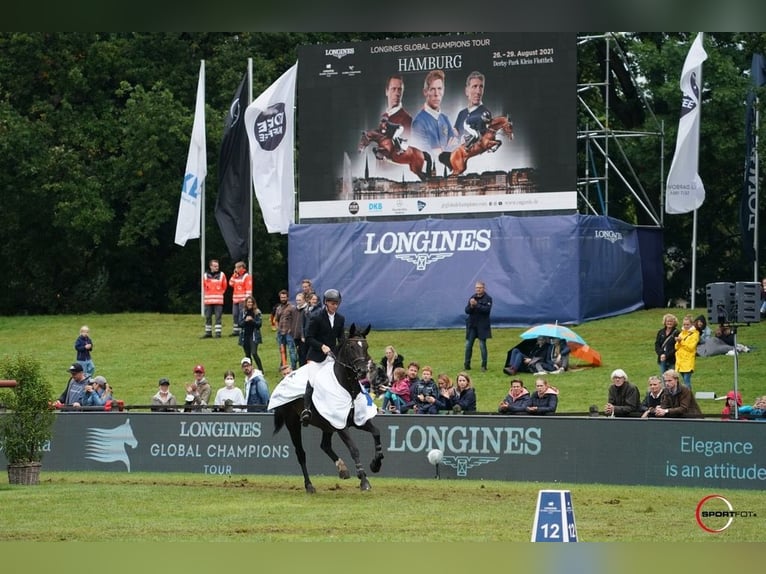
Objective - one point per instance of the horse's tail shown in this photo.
(279, 420)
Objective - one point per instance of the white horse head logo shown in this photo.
(108, 445)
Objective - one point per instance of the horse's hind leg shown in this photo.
(364, 484)
(326, 446)
(294, 426)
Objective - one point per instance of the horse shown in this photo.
(352, 363)
(457, 160)
(412, 156)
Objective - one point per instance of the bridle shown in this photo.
(359, 364)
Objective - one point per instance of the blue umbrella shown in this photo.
(552, 330)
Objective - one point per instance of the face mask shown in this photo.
(229, 382)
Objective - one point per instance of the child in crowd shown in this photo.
(398, 394)
(84, 345)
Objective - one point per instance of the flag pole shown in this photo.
(694, 259)
(249, 173)
(202, 250)
(755, 231)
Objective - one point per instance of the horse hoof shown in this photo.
(344, 474)
(310, 489)
(376, 463)
(365, 486)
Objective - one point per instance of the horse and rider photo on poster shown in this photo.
(385, 124)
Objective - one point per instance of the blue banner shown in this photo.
(420, 274)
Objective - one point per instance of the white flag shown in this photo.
(684, 190)
(270, 126)
(189, 210)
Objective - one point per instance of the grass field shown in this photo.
(134, 350)
(168, 507)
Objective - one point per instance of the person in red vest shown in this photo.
(241, 283)
(214, 285)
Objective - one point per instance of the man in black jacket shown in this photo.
(325, 334)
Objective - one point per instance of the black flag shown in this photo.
(232, 208)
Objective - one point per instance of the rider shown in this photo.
(393, 131)
(325, 335)
(476, 125)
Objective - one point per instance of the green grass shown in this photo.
(134, 350)
(171, 507)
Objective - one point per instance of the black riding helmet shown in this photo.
(331, 295)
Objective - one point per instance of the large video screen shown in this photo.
(459, 125)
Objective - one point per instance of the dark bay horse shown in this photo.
(457, 160)
(351, 365)
(419, 162)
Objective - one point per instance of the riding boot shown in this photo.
(306, 413)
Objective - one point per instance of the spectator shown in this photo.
(763, 298)
(653, 397)
(686, 350)
(213, 288)
(299, 335)
(198, 392)
(286, 314)
(477, 325)
(163, 400)
(241, 283)
(398, 394)
(678, 400)
(544, 400)
(532, 362)
(413, 368)
(250, 323)
(700, 323)
(391, 360)
(464, 400)
(557, 360)
(756, 411)
(256, 388)
(98, 393)
(624, 397)
(665, 343)
(516, 401)
(732, 406)
(229, 395)
(84, 345)
(425, 399)
(446, 391)
(74, 393)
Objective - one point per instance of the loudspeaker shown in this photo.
(721, 303)
(748, 294)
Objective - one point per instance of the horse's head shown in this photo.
(504, 124)
(353, 354)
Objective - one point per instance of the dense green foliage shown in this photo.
(28, 425)
(95, 127)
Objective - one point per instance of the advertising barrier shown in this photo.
(699, 453)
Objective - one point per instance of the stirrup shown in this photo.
(305, 417)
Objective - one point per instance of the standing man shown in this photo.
(286, 317)
(432, 129)
(325, 335)
(472, 120)
(256, 388)
(241, 284)
(477, 325)
(213, 287)
(78, 385)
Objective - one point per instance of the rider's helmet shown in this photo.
(331, 295)
(486, 116)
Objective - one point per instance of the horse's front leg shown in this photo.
(377, 460)
(326, 446)
(364, 484)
